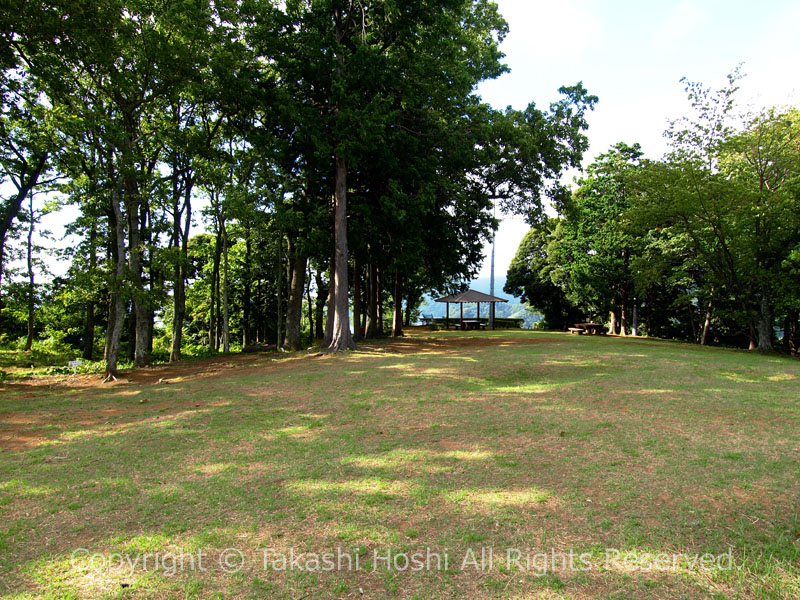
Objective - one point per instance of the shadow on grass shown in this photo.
(424, 451)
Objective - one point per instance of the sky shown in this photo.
(632, 55)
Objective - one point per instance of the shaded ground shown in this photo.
(451, 443)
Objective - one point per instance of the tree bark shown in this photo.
(319, 306)
(765, 324)
(341, 337)
(117, 304)
(397, 321)
(88, 327)
(180, 271)
(294, 307)
(371, 328)
(331, 297)
(357, 335)
(310, 305)
(213, 330)
(247, 287)
(612, 325)
(707, 322)
(226, 333)
(31, 284)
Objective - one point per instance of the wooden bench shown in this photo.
(577, 330)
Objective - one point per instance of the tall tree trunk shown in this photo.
(226, 334)
(371, 327)
(278, 285)
(214, 322)
(319, 306)
(326, 341)
(117, 304)
(88, 326)
(623, 321)
(140, 307)
(247, 287)
(357, 335)
(765, 324)
(180, 271)
(310, 307)
(341, 339)
(379, 301)
(397, 321)
(753, 336)
(612, 324)
(31, 284)
(707, 322)
(294, 307)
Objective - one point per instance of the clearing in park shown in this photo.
(508, 464)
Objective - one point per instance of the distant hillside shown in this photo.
(511, 309)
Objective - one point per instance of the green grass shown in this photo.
(456, 443)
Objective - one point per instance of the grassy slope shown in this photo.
(536, 440)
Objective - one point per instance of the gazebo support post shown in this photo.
(479, 312)
(493, 305)
(447, 317)
(461, 317)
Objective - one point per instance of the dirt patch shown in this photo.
(22, 430)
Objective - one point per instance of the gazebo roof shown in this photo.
(470, 296)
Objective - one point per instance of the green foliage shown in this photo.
(701, 241)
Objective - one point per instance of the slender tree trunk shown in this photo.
(342, 338)
(319, 306)
(88, 327)
(213, 333)
(379, 301)
(278, 285)
(357, 335)
(247, 287)
(310, 307)
(180, 272)
(623, 321)
(707, 323)
(117, 304)
(31, 284)
(370, 328)
(331, 309)
(294, 308)
(226, 333)
(397, 321)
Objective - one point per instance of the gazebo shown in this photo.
(470, 296)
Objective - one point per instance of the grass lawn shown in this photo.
(637, 457)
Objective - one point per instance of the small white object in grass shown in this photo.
(75, 364)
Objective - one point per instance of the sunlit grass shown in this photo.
(457, 440)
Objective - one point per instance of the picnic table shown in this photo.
(590, 328)
(473, 325)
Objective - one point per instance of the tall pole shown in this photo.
(491, 272)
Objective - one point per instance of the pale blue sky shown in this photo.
(632, 54)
